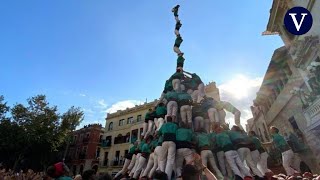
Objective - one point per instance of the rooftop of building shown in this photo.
(90, 127)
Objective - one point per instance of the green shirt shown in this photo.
(168, 127)
(146, 148)
(183, 96)
(202, 139)
(148, 115)
(141, 144)
(280, 142)
(223, 141)
(236, 136)
(168, 86)
(177, 75)
(171, 95)
(256, 142)
(180, 60)
(196, 78)
(184, 134)
(132, 149)
(161, 110)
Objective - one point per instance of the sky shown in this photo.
(107, 55)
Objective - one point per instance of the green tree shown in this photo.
(37, 131)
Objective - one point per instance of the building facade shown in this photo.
(289, 95)
(124, 127)
(84, 149)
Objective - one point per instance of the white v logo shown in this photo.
(293, 16)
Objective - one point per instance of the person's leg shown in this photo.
(206, 125)
(149, 165)
(150, 128)
(231, 159)
(296, 162)
(133, 160)
(142, 162)
(169, 108)
(135, 164)
(188, 155)
(201, 92)
(237, 115)
(145, 128)
(213, 115)
(182, 87)
(194, 95)
(176, 85)
(176, 50)
(162, 156)
(263, 163)
(174, 111)
(171, 158)
(287, 162)
(189, 114)
(214, 165)
(160, 123)
(251, 164)
(198, 123)
(241, 152)
(241, 165)
(179, 161)
(222, 116)
(204, 157)
(222, 165)
(155, 162)
(124, 168)
(255, 156)
(183, 113)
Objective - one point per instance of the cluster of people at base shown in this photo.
(229, 154)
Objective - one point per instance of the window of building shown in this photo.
(121, 122)
(105, 161)
(138, 118)
(110, 126)
(84, 150)
(134, 135)
(130, 120)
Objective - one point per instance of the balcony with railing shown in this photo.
(312, 114)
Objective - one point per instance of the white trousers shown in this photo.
(176, 50)
(263, 163)
(236, 164)
(245, 155)
(149, 165)
(296, 162)
(195, 95)
(142, 163)
(213, 115)
(222, 116)
(198, 123)
(133, 160)
(224, 166)
(168, 153)
(124, 168)
(156, 158)
(255, 157)
(150, 128)
(206, 155)
(186, 114)
(182, 154)
(201, 92)
(176, 83)
(172, 108)
(288, 161)
(135, 164)
(159, 122)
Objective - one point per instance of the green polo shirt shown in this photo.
(161, 110)
(202, 139)
(196, 78)
(171, 95)
(132, 149)
(183, 96)
(168, 127)
(224, 142)
(177, 75)
(168, 86)
(280, 142)
(184, 134)
(146, 148)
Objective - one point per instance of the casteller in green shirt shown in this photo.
(280, 142)
(202, 139)
(168, 130)
(224, 142)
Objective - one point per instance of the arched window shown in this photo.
(110, 126)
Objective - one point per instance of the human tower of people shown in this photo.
(184, 122)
